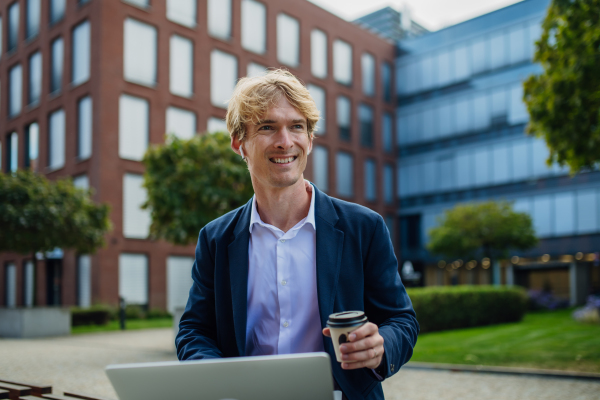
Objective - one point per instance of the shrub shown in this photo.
(545, 300)
(157, 313)
(590, 313)
(95, 315)
(454, 307)
(135, 312)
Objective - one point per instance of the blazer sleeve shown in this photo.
(386, 302)
(197, 337)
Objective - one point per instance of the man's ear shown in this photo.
(310, 146)
(236, 144)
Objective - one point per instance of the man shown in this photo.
(267, 275)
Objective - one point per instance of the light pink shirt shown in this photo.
(283, 310)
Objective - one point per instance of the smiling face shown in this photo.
(277, 147)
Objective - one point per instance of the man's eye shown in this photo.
(298, 127)
(265, 128)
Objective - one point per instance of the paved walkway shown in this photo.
(76, 363)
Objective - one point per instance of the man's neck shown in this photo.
(283, 207)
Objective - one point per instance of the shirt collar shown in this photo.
(309, 219)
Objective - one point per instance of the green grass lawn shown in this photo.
(549, 340)
(130, 325)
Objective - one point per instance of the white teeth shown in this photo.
(283, 160)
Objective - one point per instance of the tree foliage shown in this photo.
(488, 229)
(39, 215)
(191, 182)
(564, 101)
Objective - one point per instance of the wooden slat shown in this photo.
(56, 397)
(37, 390)
(3, 394)
(29, 398)
(83, 396)
(14, 391)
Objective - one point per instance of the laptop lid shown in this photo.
(289, 377)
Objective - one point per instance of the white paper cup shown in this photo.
(341, 325)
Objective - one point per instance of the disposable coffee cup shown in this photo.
(341, 325)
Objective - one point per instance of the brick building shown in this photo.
(87, 86)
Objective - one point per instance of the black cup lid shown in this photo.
(347, 318)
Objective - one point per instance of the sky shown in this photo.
(432, 14)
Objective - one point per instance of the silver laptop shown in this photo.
(280, 377)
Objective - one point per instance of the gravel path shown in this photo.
(76, 363)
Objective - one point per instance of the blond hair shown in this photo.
(253, 97)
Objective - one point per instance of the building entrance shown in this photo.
(53, 282)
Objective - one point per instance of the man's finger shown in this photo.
(366, 330)
(326, 332)
(362, 344)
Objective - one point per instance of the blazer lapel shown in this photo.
(238, 275)
(330, 242)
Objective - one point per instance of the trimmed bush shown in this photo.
(96, 315)
(441, 308)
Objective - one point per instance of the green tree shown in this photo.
(488, 229)
(38, 215)
(564, 101)
(191, 182)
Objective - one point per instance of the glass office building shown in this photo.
(461, 127)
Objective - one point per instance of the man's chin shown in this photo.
(284, 181)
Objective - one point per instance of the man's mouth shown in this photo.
(282, 160)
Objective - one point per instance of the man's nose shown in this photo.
(284, 138)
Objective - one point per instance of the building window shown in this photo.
(344, 165)
(216, 125)
(57, 10)
(219, 18)
(28, 283)
(179, 281)
(342, 62)
(387, 134)
(386, 81)
(182, 12)
(56, 140)
(318, 53)
(133, 278)
(81, 53)
(35, 78)
(12, 152)
(15, 90)
(1, 37)
(32, 146)
(223, 77)
(181, 66)
(365, 115)
(388, 184)
(10, 285)
(318, 95)
(13, 27)
(136, 222)
(367, 62)
(133, 127)
(587, 211)
(33, 18)
(139, 3)
(181, 123)
(370, 180)
(56, 66)
(84, 128)
(81, 182)
(288, 40)
(343, 117)
(84, 281)
(321, 167)
(255, 69)
(254, 26)
(139, 50)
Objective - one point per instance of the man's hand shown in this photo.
(364, 348)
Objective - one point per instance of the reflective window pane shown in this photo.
(139, 3)
(219, 18)
(318, 53)
(501, 163)
(318, 95)
(517, 45)
(444, 68)
(499, 103)
(482, 166)
(587, 211)
(343, 109)
(517, 112)
(521, 160)
(429, 176)
(542, 218)
(446, 173)
(84, 128)
(386, 81)
(365, 116)
(57, 10)
(342, 62)
(181, 66)
(13, 26)
(540, 155)
(254, 26)
(427, 72)
(479, 55)
(136, 221)
(182, 12)
(32, 143)
(345, 174)
(133, 127)
(255, 69)
(564, 214)
(464, 170)
(181, 123)
(15, 90)
(463, 115)
(370, 177)
(387, 132)
(481, 111)
(33, 18)
(446, 119)
(133, 278)
(56, 66)
(81, 53)
(321, 167)
(223, 77)
(56, 140)
(367, 62)
(498, 50)
(81, 182)
(216, 125)
(462, 67)
(35, 78)
(288, 40)
(388, 184)
(139, 52)
(13, 152)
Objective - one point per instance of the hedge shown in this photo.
(96, 315)
(453, 307)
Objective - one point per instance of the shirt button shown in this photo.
(286, 324)
(284, 282)
(282, 240)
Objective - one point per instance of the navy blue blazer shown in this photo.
(356, 270)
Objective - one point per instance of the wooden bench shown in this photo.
(27, 391)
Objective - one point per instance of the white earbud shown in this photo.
(242, 152)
